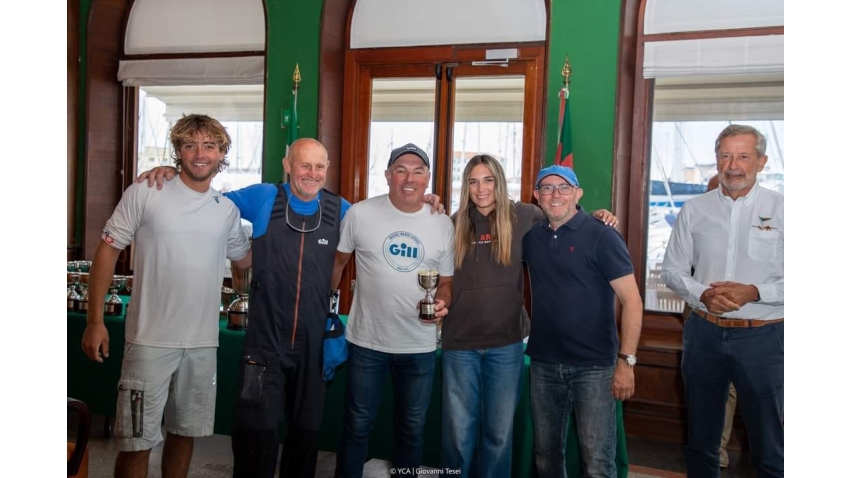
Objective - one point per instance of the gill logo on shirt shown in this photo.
(403, 251)
(323, 242)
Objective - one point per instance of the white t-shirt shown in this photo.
(182, 238)
(390, 247)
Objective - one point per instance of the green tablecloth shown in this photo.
(95, 384)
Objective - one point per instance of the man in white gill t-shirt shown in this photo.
(393, 237)
(183, 234)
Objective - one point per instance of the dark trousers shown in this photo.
(412, 376)
(754, 361)
(272, 387)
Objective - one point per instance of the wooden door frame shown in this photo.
(423, 61)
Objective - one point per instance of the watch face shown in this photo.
(631, 360)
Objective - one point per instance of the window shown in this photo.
(688, 114)
(487, 120)
(239, 108)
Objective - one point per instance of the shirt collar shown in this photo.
(574, 223)
(296, 201)
(747, 199)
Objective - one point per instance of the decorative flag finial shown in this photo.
(567, 71)
(296, 76)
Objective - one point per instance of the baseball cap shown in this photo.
(408, 148)
(564, 172)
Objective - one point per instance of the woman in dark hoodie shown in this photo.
(483, 333)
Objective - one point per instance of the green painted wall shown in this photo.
(293, 37)
(587, 31)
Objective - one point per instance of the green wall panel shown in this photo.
(588, 31)
(293, 37)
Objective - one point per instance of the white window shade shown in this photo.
(396, 23)
(715, 56)
(195, 26)
(246, 70)
(668, 16)
(224, 103)
(719, 98)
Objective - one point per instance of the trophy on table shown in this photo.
(237, 313)
(82, 270)
(428, 281)
(113, 304)
(83, 291)
(73, 296)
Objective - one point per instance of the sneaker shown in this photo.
(724, 458)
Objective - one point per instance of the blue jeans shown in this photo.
(413, 377)
(481, 389)
(556, 391)
(753, 360)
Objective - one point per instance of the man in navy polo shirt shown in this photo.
(577, 266)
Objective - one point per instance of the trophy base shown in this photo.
(427, 310)
(237, 321)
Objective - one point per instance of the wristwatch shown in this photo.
(630, 360)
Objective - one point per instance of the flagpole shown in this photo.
(292, 134)
(289, 118)
(566, 72)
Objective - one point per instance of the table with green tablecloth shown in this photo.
(95, 384)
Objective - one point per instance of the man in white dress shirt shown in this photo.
(733, 237)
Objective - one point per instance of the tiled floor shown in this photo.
(213, 459)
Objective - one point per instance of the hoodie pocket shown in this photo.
(484, 313)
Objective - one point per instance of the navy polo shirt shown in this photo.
(572, 301)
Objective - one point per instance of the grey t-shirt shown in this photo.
(182, 238)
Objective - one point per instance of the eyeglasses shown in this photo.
(303, 231)
(564, 189)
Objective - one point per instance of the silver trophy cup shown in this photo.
(428, 281)
(73, 296)
(237, 313)
(114, 305)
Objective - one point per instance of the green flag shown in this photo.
(564, 153)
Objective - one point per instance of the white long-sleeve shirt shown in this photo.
(724, 240)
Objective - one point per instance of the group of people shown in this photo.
(303, 237)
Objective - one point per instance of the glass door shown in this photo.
(451, 104)
(402, 112)
(487, 119)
